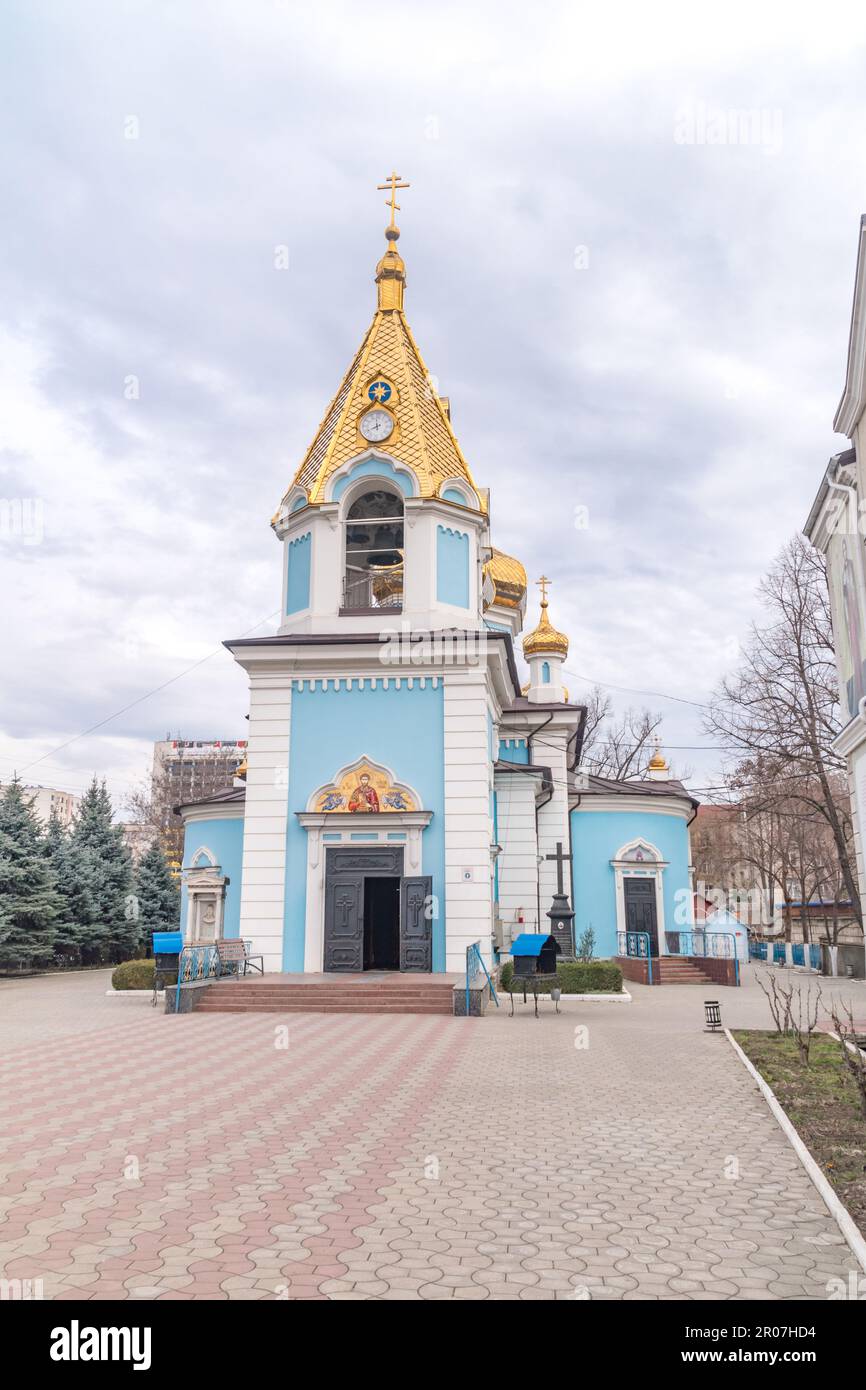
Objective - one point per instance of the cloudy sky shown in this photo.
(630, 244)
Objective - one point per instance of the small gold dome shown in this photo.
(509, 579)
(545, 638)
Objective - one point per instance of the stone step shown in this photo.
(321, 1006)
(312, 992)
(692, 975)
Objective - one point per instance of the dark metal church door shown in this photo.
(640, 909)
(344, 922)
(345, 872)
(416, 924)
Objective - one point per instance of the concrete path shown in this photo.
(613, 1151)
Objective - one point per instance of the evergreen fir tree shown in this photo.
(157, 893)
(73, 875)
(29, 901)
(102, 858)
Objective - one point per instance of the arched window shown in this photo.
(545, 673)
(374, 551)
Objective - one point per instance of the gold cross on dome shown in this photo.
(393, 183)
(543, 583)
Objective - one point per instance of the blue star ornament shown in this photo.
(379, 391)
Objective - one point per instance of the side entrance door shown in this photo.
(416, 923)
(640, 909)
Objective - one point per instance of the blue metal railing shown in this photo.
(711, 945)
(804, 953)
(474, 963)
(196, 963)
(637, 944)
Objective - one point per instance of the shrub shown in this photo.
(589, 977)
(574, 976)
(133, 974)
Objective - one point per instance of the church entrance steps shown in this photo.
(682, 972)
(331, 994)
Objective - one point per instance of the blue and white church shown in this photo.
(407, 791)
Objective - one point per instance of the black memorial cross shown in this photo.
(560, 914)
(560, 860)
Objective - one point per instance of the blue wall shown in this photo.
(513, 750)
(402, 727)
(452, 567)
(298, 580)
(597, 838)
(225, 839)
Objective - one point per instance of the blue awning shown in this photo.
(167, 943)
(529, 944)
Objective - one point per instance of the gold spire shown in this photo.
(658, 762)
(545, 638)
(391, 270)
(387, 370)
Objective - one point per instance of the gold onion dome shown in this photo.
(509, 579)
(545, 638)
(657, 762)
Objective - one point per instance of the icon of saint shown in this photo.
(364, 796)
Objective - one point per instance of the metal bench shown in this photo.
(235, 958)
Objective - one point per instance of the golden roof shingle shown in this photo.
(422, 437)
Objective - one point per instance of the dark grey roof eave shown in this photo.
(325, 639)
(233, 796)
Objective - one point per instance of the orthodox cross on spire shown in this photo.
(393, 183)
(542, 584)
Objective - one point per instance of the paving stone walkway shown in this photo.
(346, 1157)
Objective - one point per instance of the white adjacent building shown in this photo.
(836, 526)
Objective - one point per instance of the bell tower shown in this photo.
(383, 523)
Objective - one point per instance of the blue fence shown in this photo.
(196, 963)
(636, 944)
(803, 953)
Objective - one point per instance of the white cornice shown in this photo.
(851, 737)
(565, 720)
(357, 820)
(234, 810)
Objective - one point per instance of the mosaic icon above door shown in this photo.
(365, 788)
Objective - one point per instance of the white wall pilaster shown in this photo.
(468, 825)
(265, 816)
